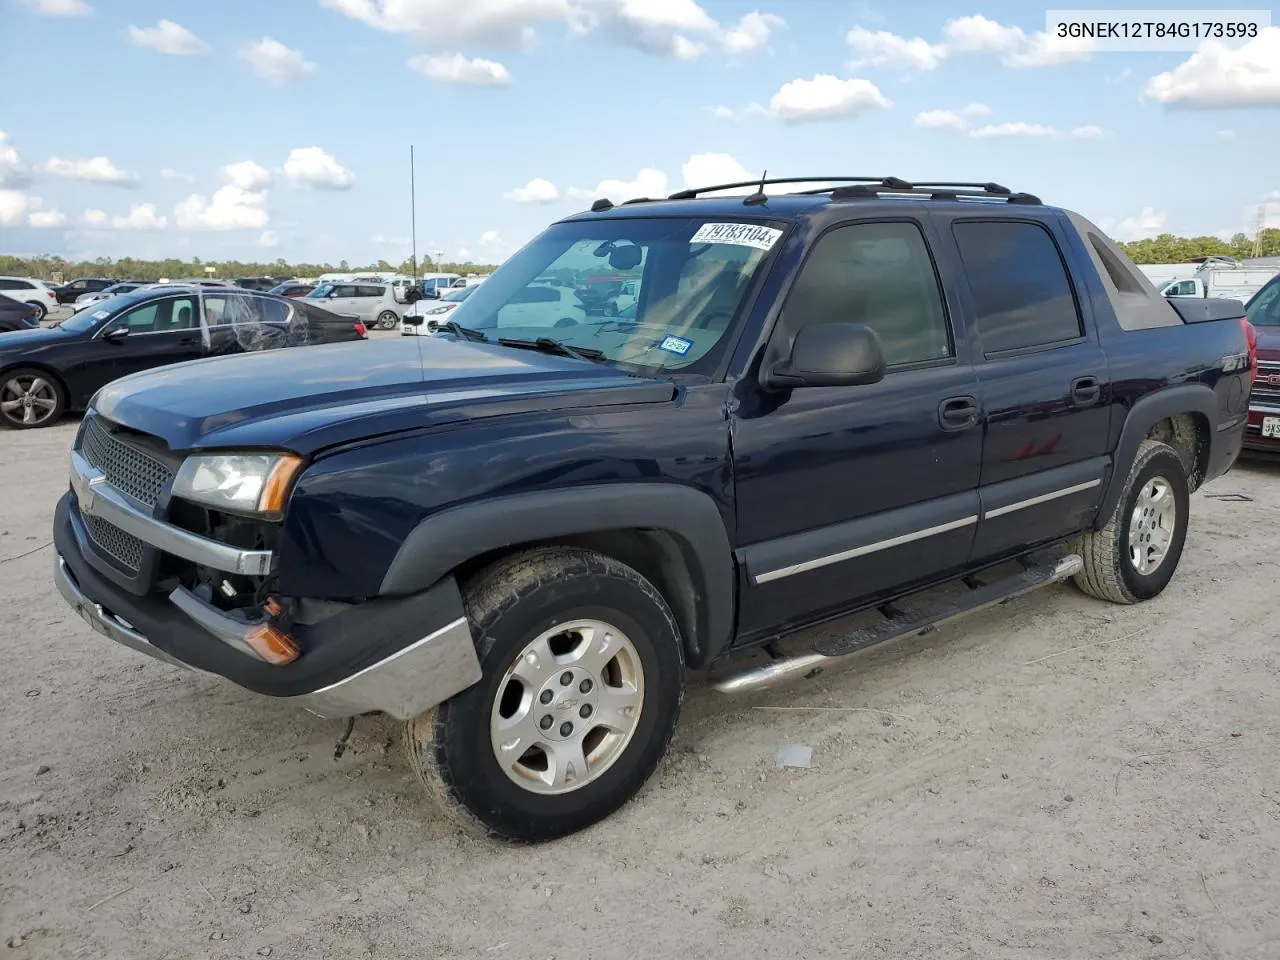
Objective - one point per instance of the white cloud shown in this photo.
(464, 255)
(274, 62)
(141, 216)
(752, 32)
(879, 48)
(13, 206)
(12, 170)
(457, 68)
(1225, 134)
(247, 175)
(169, 38)
(92, 169)
(825, 97)
(168, 173)
(490, 236)
(706, 169)
(994, 131)
(95, 218)
(230, 208)
(647, 183)
(1087, 132)
(1145, 225)
(60, 8)
(46, 219)
(1217, 76)
(536, 190)
(978, 34)
(680, 29)
(940, 120)
(268, 238)
(722, 113)
(313, 167)
(1049, 50)
(975, 110)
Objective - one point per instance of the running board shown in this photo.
(898, 624)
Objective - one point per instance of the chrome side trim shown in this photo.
(102, 622)
(405, 684)
(99, 499)
(862, 551)
(1043, 498)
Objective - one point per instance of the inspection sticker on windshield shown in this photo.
(739, 234)
(677, 345)
(101, 315)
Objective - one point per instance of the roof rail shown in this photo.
(938, 191)
(693, 192)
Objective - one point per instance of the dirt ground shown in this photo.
(1057, 778)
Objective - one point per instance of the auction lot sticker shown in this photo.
(738, 234)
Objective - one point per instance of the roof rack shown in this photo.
(693, 192)
(936, 191)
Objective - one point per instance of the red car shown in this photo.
(1263, 312)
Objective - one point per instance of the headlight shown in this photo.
(252, 483)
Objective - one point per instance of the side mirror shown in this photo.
(116, 334)
(830, 355)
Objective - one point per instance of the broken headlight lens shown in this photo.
(257, 484)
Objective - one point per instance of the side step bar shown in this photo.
(898, 624)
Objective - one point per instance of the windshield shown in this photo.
(95, 314)
(685, 279)
(460, 294)
(320, 292)
(1264, 309)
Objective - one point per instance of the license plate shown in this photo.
(1271, 426)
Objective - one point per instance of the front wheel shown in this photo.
(583, 680)
(30, 398)
(1134, 556)
(387, 320)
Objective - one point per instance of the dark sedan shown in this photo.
(68, 292)
(292, 289)
(45, 372)
(16, 315)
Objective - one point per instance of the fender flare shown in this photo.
(443, 541)
(1145, 414)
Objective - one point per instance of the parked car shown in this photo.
(425, 316)
(17, 315)
(46, 372)
(627, 295)
(518, 543)
(261, 284)
(125, 286)
(374, 303)
(69, 292)
(292, 289)
(35, 292)
(1263, 311)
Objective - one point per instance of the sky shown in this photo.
(257, 130)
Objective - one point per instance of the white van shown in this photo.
(1231, 284)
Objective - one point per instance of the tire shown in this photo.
(1117, 568)
(610, 310)
(387, 320)
(48, 399)
(41, 310)
(454, 748)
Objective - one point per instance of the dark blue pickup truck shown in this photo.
(901, 401)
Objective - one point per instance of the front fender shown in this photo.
(445, 540)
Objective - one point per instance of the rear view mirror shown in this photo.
(830, 355)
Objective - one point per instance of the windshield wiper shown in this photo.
(463, 333)
(558, 347)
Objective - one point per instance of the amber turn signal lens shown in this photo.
(273, 645)
(279, 482)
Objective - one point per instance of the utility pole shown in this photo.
(1257, 233)
(413, 216)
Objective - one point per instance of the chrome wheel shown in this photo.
(567, 707)
(28, 400)
(1152, 525)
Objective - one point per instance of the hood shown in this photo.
(307, 398)
(22, 340)
(1268, 342)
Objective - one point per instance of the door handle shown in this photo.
(1085, 391)
(958, 413)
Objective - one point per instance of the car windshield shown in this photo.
(1264, 309)
(687, 279)
(460, 294)
(95, 314)
(320, 292)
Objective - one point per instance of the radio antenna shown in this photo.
(759, 196)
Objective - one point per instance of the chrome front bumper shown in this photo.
(403, 685)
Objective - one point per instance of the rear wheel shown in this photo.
(1135, 555)
(387, 320)
(41, 311)
(30, 398)
(583, 679)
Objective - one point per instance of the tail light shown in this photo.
(51, 295)
(1251, 338)
(364, 331)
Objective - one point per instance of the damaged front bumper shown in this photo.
(393, 655)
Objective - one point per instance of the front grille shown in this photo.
(114, 542)
(126, 468)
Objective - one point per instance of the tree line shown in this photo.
(128, 268)
(1166, 248)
